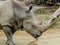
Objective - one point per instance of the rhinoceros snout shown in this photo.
(36, 36)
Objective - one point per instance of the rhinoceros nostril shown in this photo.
(36, 36)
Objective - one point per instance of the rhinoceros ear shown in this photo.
(30, 8)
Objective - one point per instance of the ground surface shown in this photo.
(50, 37)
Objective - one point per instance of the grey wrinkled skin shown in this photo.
(14, 17)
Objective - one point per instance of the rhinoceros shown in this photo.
(15, 15)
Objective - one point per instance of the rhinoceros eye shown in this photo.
(34, 26)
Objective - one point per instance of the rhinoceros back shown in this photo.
(6, 13)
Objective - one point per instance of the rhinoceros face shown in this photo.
(29, 25)
(32, 29)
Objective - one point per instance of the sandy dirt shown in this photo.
(50, 37)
